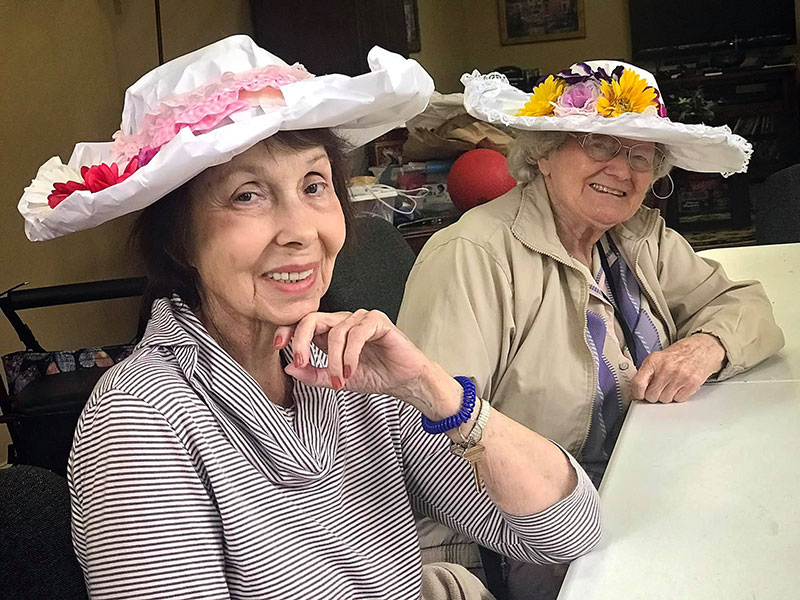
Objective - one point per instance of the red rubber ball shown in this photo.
(478, 176)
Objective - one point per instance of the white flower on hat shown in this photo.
(50, 173)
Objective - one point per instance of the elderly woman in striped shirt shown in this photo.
(252, 447)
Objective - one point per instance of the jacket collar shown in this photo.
(535, 226)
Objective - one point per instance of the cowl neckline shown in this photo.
(292, 453)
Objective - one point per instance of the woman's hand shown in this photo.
(368, 354)
(676, 373)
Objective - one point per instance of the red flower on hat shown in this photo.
(62, 190)
(95, 178)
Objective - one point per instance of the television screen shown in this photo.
(660, 28)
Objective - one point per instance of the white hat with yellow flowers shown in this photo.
(201, 110)
(608, 97)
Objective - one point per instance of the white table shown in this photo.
(777, 267)
(701, 500)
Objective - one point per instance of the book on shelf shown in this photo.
(755, 125)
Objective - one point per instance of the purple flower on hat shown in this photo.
(579, 98)
(146, 155)
(662, 108)
(581, 72)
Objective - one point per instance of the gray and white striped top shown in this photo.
(187, 482)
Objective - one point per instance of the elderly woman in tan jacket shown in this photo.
(566, 298)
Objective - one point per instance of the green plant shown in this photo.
(693, 108)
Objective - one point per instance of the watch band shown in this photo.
(476, 434)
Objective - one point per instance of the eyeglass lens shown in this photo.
(641, 157)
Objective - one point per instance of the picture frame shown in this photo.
(412, 26)
(527, 21)
(387, 149)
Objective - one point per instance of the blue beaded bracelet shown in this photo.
(462, 416)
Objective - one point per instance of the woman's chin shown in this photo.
(612, 217)
(291, 314)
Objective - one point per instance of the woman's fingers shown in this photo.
(338, 340)
(283, 336)
(347, 340)
(369, 328)
(342, 335)
(655, 389)
(652, 380)
(301, 334)
(667, 377)
(309, 375)
(641, 380)
(684, 394)
(669, 391)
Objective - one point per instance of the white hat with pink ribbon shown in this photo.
(201, 110)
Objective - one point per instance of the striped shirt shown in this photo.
(187, 482)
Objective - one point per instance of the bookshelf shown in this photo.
(758, 103)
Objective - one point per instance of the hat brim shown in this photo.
(699, 148)
(359, 108)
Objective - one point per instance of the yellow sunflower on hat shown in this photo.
(542, 102)
(630, 94)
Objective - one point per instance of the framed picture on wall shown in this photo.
(525, 21)
(412, 25)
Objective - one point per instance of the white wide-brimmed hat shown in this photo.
(201, 110)
(609, 97)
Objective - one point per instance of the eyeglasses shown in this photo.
(643, 158)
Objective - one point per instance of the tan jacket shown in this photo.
(495, 297)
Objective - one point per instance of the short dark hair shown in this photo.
(162, 233)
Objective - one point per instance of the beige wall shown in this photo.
(65, 66)
(444, 47)
(606, 37)
(458, 36)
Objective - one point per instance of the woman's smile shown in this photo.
(293, 279)
(604, 189)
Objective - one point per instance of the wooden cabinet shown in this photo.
(329, 36)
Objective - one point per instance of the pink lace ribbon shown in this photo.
(206, 108)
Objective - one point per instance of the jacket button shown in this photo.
(623, 366)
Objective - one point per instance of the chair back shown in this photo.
(48, 389)
(37, 558)
(777, 208)
(371, 270)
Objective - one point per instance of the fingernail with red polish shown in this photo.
(278, 342)
(347, 372)
(336, 383)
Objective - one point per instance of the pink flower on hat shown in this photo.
(579, 98)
